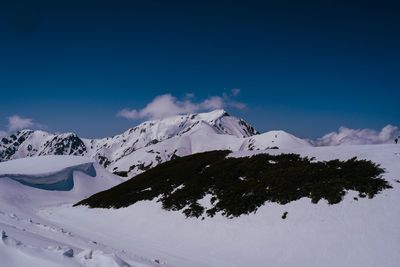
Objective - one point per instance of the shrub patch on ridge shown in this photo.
(241, 185)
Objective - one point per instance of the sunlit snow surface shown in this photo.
(41, 225)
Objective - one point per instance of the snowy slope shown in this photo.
(151, 142)
(29, 240)
(363, 232)
(273, 139)
(41, 225)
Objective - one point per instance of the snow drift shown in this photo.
(47, 172)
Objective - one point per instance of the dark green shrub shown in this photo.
(241, 185)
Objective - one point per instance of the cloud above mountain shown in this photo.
(167, 105)
(16, 123)
(347, 136)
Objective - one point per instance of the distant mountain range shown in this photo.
(151, 142)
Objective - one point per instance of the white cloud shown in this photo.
(237, 105)
(17, 123)
(214, 102)
(346, 136)
(167, 105)
(129, 114)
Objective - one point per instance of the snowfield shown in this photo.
(41, 228)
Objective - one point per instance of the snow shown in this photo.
(30, 240)
(273, 139)
(41, 165)
(41, 225)
(48, 172)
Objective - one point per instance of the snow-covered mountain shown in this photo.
(151, 142)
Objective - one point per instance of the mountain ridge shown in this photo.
(151, 142)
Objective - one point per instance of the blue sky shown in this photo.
(307, 68)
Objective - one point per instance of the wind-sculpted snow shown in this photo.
(77, 176)
(47, 172)
(61, 180)
(41, 165)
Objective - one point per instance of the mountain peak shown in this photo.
(177, 125)
(205, 116)
(212, 115)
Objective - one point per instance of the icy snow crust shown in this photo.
(41, 225)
